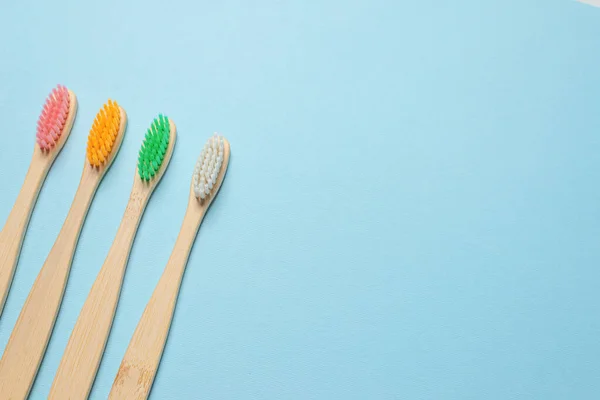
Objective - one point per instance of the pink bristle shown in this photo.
(53, 118)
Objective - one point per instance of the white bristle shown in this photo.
(208, 167)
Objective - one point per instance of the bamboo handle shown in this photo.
(29, 338)
(141, 360)
(79, 364)
(11, 236)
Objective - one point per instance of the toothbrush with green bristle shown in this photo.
(79, 365)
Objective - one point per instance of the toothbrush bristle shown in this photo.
(53, 118)
(103, 133)
(154, 148)
(208, 166)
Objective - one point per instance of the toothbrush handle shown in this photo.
(79, 365)
(11, 236)
(29, 338)
(140, 363)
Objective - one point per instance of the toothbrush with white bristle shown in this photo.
(141, 360)
(208, 165)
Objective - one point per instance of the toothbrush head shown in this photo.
(56, 118)
(157, 149)
(105, 136)
(210, 168)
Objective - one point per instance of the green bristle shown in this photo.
(152, 152)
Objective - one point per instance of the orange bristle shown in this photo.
(103, 133)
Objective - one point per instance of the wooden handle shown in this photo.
(11, 237)
(140, 363)
(79, 364)
(29, 338)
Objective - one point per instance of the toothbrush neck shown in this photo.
(185, 240)
(133, 215)
(119, 251)
(80, 206)
(131, 219)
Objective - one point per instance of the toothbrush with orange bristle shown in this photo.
(53, 129)
(29, 338)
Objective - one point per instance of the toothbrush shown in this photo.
(79, 364)
(29, 338)
(53, 129)
(138, 368)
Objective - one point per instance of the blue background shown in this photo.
(412, 208)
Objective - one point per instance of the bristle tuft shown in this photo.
(53, 118)
(154, 148)
(103, 133)
(208, 166)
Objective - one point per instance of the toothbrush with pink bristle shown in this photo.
(53, 129)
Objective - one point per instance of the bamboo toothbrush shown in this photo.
(138, 368)
(79, 364)
(53, 129)
(29, 338)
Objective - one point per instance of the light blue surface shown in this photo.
(412, 208)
